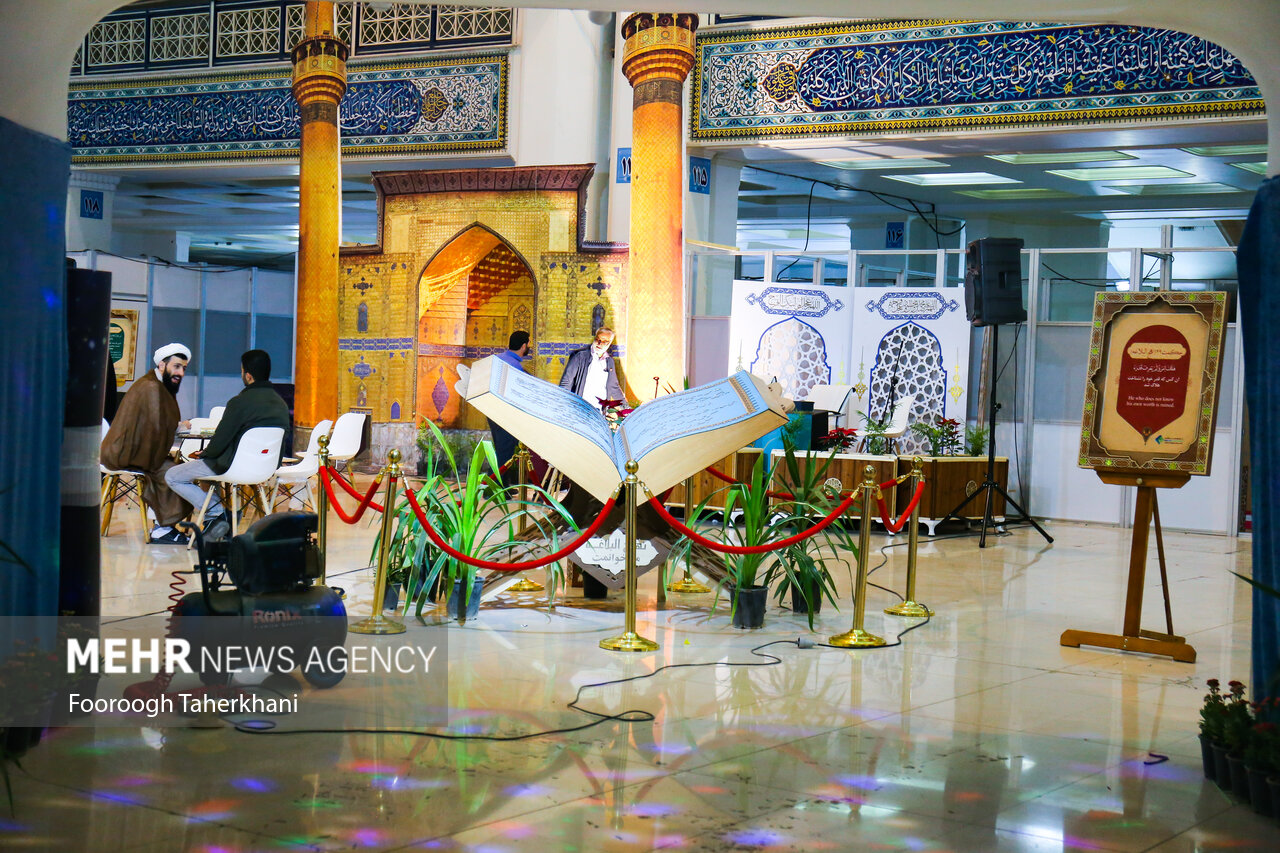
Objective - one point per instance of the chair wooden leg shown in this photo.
(142, 510)
(311, 496)
(262, 499)
(204, 507)
(108, 501)
(235, 510)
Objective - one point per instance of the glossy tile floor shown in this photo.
(978, 733)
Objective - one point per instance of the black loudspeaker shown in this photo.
(993, 282)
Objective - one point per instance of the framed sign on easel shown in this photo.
(122, 342)
(1150, 407)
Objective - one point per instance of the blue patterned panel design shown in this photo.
(375, 344)
(824, 80)
(794, 302)
(408, 107)
(912, 305)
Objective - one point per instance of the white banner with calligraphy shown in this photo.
(910, 342)
(797, 334)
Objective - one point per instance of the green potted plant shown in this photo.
(975, 440)
(1212, 722)
(877, 443)
(805, 568)
(943, 435)
(476, 515)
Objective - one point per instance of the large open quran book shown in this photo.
(670, 438)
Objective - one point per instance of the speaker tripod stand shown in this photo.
(990, 488)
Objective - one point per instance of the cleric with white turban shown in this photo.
(169, 350)
(142, 433)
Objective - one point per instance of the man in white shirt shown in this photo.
(590, 372)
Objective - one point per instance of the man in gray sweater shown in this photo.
(258, 405)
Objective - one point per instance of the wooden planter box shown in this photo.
(949, 480)
(847, 468)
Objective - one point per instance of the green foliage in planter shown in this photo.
(475, 514)
(943, 435)
(806, 565)
(877, 442)
(763, 522)
(975, 440)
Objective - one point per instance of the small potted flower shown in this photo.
(1212, 722)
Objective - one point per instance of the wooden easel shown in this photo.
(1134, 638)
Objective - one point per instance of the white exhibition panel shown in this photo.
(797, 335)
(274, 291)
(228, 290)
(708, 345)
(911, 342)
(1060, 488)
(1205, 504)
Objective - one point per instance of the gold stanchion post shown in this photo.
(525, 584)
(377, 623)
(909, 607)
(630, 641)
(322, 513)
(856, 637)
(687, 584)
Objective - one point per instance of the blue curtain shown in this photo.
(33, 362)
(1258, 261)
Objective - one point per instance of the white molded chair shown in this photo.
(344, 442)
(121, 484)
(295, 480)
(191, 445)
(832, 398)
(256, 459)
(215, 414)
(899, 420)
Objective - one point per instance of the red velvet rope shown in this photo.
(750, 549)
(506, 567)
(902, 519)
(366, 500)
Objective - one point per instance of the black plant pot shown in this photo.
(1206, 758)
(749, 604)
(1239, 777)
(1221, 771)
(812, 588)
(391, 598)
(1259, 793)
(473, 604)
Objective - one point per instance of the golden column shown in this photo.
(656, 58)
(319, 80)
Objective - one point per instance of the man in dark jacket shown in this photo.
(590, 372)
(258, 405)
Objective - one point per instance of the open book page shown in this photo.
(558, 425)
(676, 436)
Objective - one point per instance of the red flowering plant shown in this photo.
(1262, 749)
(1237, 718)
(943, 434)
(840, 440)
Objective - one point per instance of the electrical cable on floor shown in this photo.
(266, 727)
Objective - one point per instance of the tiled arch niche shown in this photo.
(465, 256)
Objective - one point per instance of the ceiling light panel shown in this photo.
(883, 163)
(1119, 173)
(1060, 157)
(1256, 168)
(1016, 194)
(953, 179)
(1176, 189)
(1227, 150)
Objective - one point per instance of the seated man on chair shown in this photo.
(142, 432)
(258, 405)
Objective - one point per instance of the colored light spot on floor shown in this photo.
(755, 837)
(248, 783)
(652, 810)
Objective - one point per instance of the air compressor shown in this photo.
(259, 606)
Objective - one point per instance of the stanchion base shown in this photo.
(629, 642)
(378, 624)
(857, 639)
(909, 609)
(688, 585)
(526, 585)
(1175, 647)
